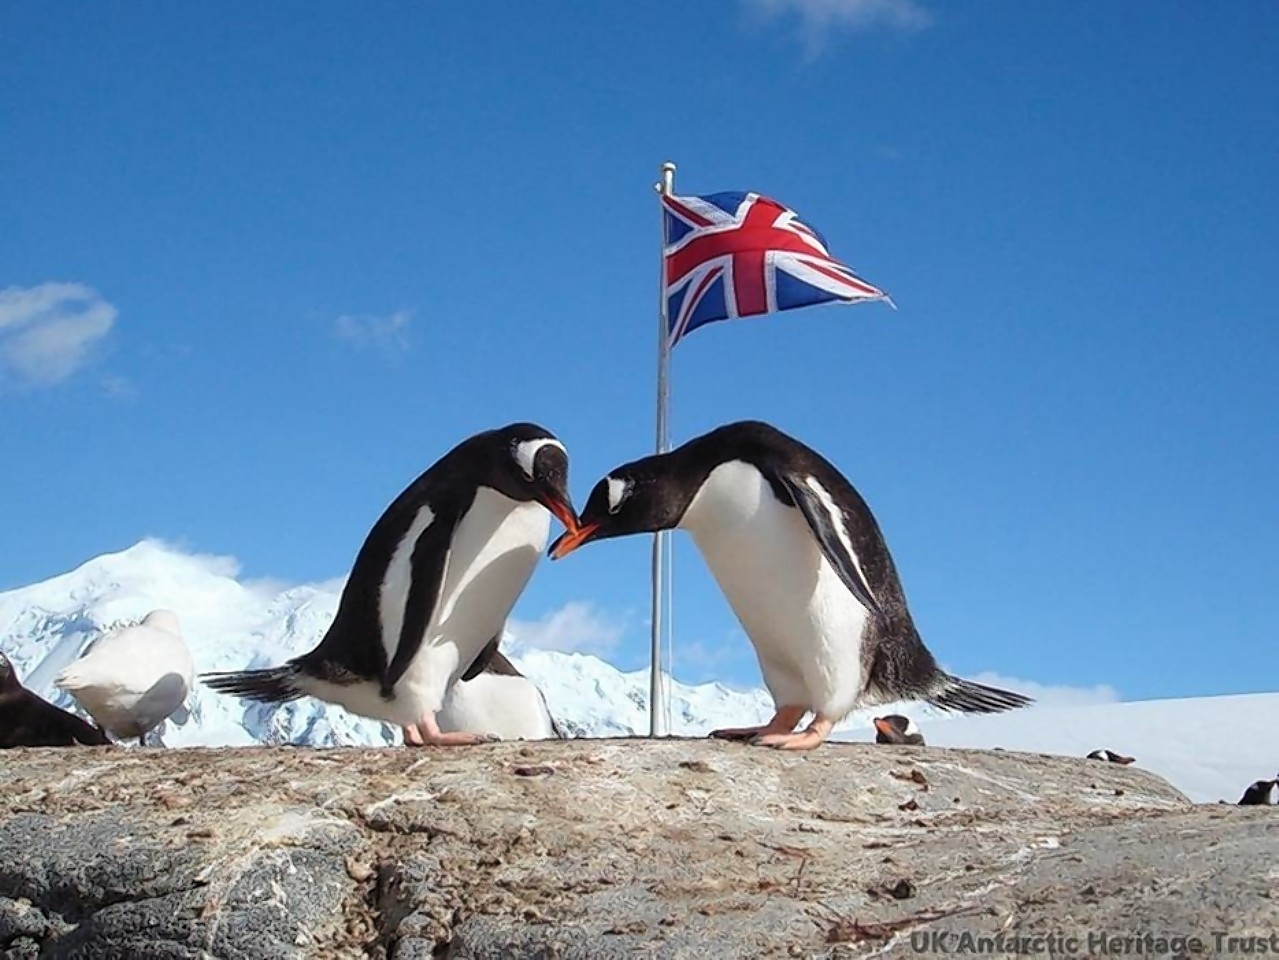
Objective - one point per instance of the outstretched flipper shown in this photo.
(829, 526)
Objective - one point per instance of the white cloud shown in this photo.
(576, 626)
(49, 331)
(390, 334)
(819, 18)
(1048, 694)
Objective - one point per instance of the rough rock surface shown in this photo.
(611, 848)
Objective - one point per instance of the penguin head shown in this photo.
(895, 728)
(529, 463)
(8, 676)
(637, 497)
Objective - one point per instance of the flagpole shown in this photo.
(657, 727)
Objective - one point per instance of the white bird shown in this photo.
(500, 700)
(133, 679)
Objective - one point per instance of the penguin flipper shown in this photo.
(426, 571)
(482, 659)
(828, 526)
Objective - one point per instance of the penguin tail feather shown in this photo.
(273, 685)
(965, 696)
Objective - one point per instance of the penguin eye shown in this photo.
(618, 492)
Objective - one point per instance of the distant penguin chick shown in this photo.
(895, 728)
(1110, 756)
(1260, 794)
(27, 720)
(133, 679)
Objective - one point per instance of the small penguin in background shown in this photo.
(28, 720)
(133, 679)
(1109, 756)
(804, 566)
(1259, 794)
(432, 585)
(895, 728)
(500, 700)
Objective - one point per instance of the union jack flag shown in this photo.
(733, 255)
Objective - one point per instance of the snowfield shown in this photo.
(1210, 748)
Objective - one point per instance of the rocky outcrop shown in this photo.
(611, 848)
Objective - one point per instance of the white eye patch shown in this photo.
(525, 452)
(618, 491)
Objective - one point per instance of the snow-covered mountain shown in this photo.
(1209, 747)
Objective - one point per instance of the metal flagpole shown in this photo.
(657, 725)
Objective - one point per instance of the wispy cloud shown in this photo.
(818, 19)
(1048, 694)
(388, 334)
(118, 388)
(574, 627)
(48, 332)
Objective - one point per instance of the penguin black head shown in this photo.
(8, 676)
(637, 497)
(895, 728)
(528, 462)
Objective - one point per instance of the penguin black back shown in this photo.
(27, 720)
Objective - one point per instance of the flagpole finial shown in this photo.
(667, 183)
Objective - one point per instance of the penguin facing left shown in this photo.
(803, 564)
(431, 587)
(28, 720)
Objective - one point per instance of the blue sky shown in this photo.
(262, 265)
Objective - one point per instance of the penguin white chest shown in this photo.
(805, 625)
(493, 552)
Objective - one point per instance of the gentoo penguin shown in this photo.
(133, 679)
(895, 728)
(803, 564)
(1110, 756)
(500, 700)
(1259, 794)
(432, 586)
(27, 720)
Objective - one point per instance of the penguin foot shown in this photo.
(783, 723)
(809, 739)
(427, 733)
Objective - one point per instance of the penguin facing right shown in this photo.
(431, 587)
(27, 720)
(895, 728)
(1259, 794)
(802, 562)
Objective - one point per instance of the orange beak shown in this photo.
(884, 727)
(563, 513)
(571, 539)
